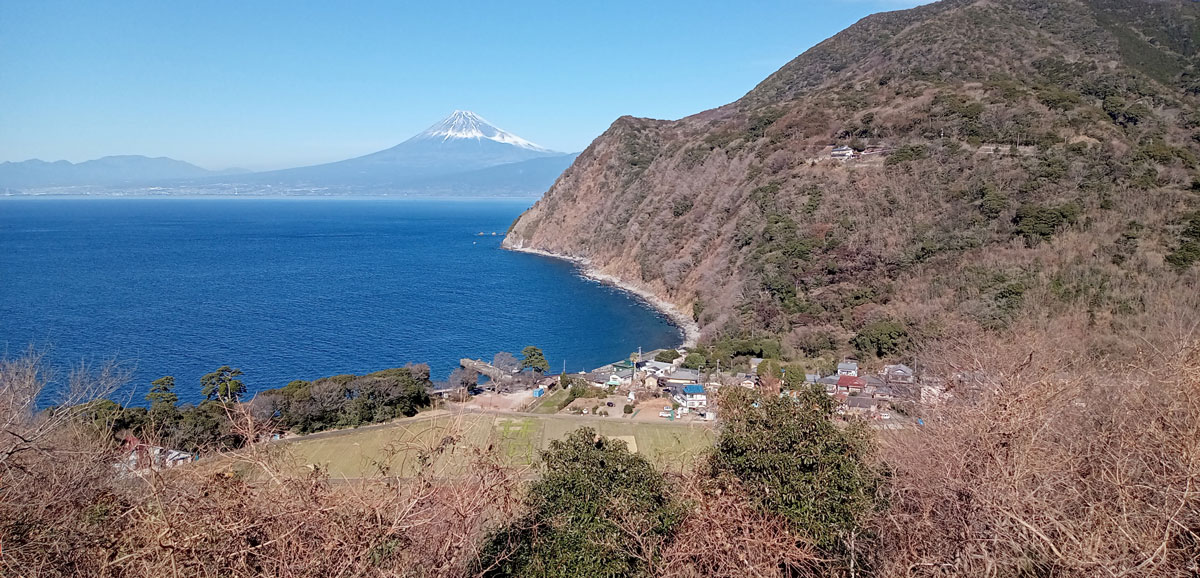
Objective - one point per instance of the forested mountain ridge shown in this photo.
(1037, 159)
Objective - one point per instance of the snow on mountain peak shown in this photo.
(466, 124)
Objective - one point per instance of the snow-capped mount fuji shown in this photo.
(464, 124)
(460, 155)
(459, 144)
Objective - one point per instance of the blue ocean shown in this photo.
(295, 288)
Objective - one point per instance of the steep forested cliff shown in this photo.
(1022, 160)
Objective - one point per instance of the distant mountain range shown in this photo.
(106, 171)
(462, 154)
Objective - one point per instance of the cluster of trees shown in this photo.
(346, 400)
(732, 353)
(302, 406)
(164, 421)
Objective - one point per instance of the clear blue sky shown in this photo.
(261, 85)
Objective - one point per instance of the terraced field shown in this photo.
(448, 442)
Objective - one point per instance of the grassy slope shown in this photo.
(396, 447)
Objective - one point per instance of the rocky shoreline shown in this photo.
(691, 331)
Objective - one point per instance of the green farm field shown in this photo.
(403, 447)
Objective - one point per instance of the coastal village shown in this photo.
(647, 387)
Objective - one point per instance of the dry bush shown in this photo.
(55, 473)
(725, 535)
(24, 382)
(1047, 463)
(293, 526)
(66, 510)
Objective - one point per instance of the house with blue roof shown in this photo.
(692, 397)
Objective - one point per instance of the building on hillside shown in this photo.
(848, 368)
(871, 383)
(610, 376)
(851, 385)
(747, 380)
(692, 397)
(680, 377)
(142, 456)
(754, 363)
(898, 374)
(445, 390)
(860, 405)
(655, 368)
(830, 383)
(842, 152)
(884, 392)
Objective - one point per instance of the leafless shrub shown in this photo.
(65, 510)
(23, 387)
(725, 535)
(1048, 463)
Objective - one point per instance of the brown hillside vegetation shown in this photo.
(1049, 464)
(1045, 464)
(1030, 241)
(1042, 161)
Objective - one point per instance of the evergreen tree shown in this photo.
(162, 394)
(534, 359)
(222, 384)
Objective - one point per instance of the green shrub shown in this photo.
(906, 153)
(993, 203)
(1038, 222)
(1188, 251)
(882, 338)
(680, 207)
(693, 360)
(585, 516)
(666, 356)
(796, 463)
(759, 122)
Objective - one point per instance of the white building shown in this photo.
(692, 397)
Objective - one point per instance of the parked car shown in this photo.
(666, 413)
(585, 411)
(666, 408)
(610, 404)
(885, 415)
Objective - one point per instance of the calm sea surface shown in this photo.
(295, 289)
